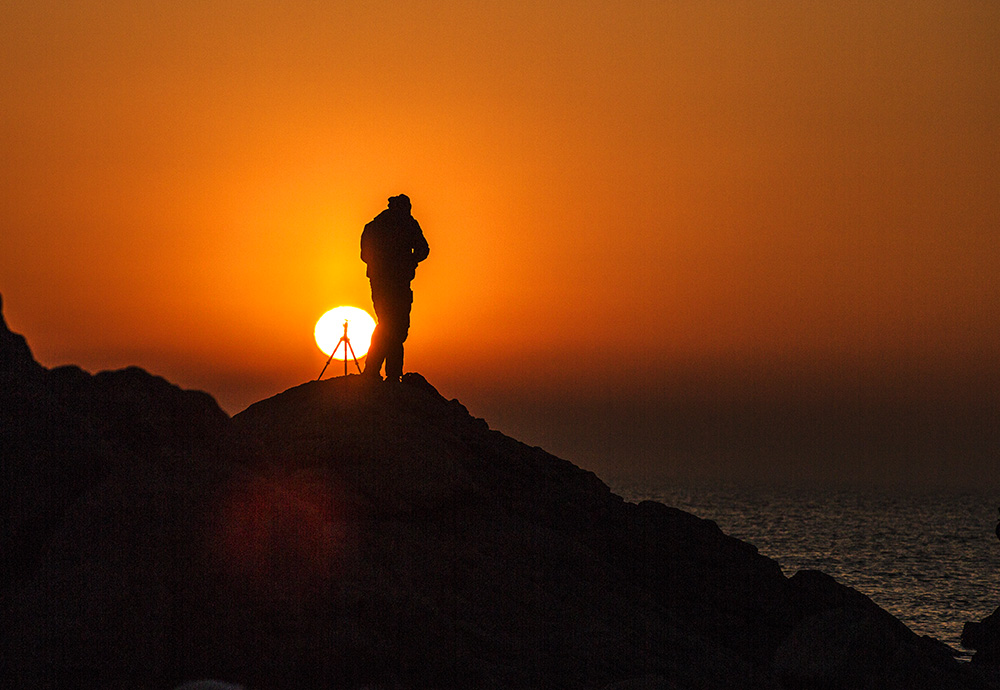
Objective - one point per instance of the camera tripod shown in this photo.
(346, 342)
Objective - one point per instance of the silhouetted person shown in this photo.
(392, 245)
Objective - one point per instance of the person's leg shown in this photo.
(397, 332)
(377, 349)
(376, 352)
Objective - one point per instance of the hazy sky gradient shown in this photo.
(639, 212)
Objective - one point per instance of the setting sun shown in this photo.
(330, 329)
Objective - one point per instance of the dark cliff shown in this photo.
(345, 535)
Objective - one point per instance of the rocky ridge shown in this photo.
(347, 535)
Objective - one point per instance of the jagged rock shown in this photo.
(984, 637)
(345, 534)
(17, 365)
(862, 647)
(64, 431)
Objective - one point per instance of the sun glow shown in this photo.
(330, 329)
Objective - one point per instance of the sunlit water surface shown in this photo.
(930, 558)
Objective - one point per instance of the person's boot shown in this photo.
(371, 374)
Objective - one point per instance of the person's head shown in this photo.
(399, 204)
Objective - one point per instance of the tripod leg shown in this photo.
(329, 359)
(354, 356)
(325, 366)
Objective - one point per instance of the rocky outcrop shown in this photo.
(64, 432)
(345, 534)
(984, 637)
(17, 366)
(861, 646)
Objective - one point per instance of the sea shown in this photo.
(930, 557)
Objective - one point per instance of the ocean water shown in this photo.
(929, 557)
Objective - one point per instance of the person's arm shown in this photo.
(365, 245)
(420, 246)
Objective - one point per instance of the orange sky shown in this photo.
(618, 196)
